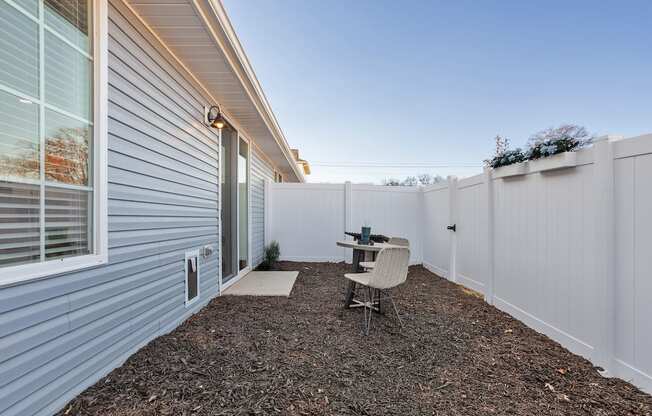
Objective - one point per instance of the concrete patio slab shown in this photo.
(264, 284)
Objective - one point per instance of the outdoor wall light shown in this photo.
(213, 117)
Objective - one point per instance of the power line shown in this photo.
(394, 165)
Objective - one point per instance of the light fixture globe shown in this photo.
(213, 117)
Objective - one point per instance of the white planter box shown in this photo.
(560, 161)
(516, 169)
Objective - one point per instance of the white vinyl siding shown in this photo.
(59, 335)
(260, 170)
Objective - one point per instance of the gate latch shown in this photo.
(453, 227)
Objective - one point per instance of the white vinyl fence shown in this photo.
(307, 219)
(565, 246)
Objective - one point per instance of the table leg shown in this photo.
(350, 301)
(350, 292)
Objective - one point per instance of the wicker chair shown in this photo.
(390, 271)
(397, 241)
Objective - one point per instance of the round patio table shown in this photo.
(359, 251)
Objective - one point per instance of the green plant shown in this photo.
(549, 142)
(507, 157)
(271, 256)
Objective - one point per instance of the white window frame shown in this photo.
(190, 254)
(243, 272)
(18, 274)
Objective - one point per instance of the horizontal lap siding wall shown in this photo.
(260, 170)
(61, 334)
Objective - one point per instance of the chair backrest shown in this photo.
(399, 241)
(391, 268)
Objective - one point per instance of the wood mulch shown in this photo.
(305, 355)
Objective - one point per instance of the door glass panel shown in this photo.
(226, 209)
(243, 204)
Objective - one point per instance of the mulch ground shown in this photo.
(305, 355)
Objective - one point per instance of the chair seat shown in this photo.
(367, 264)
(361, 278)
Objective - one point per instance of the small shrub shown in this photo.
(549, 142)
(549, 147)
(271, 256)
(506, 158)
(552, 141)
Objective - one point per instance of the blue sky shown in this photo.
(434, 82)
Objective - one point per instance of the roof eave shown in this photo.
(238, 59)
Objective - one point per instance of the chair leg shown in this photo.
(389, 295)
(370, 293)
(364, 322)
(378, 298)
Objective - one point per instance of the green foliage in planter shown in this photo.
(566, 138)
(549, 142)
(506, 158)
(546, 148)
(271, 256)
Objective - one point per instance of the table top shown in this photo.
(365, 247)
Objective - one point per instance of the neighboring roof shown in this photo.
(200, 36)
(303, 163)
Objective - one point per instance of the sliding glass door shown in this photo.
(234, 205)
(243, 204)
(227, 213)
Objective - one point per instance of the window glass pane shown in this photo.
(19, 224)
(67, 149)
(67, 78)
(243, 203)
(30, 6)
(71, 19)
(19, 139)
(67, 131)
(192, 278)
(18, 51)
(67, 222)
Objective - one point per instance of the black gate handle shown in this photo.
(453, 227)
